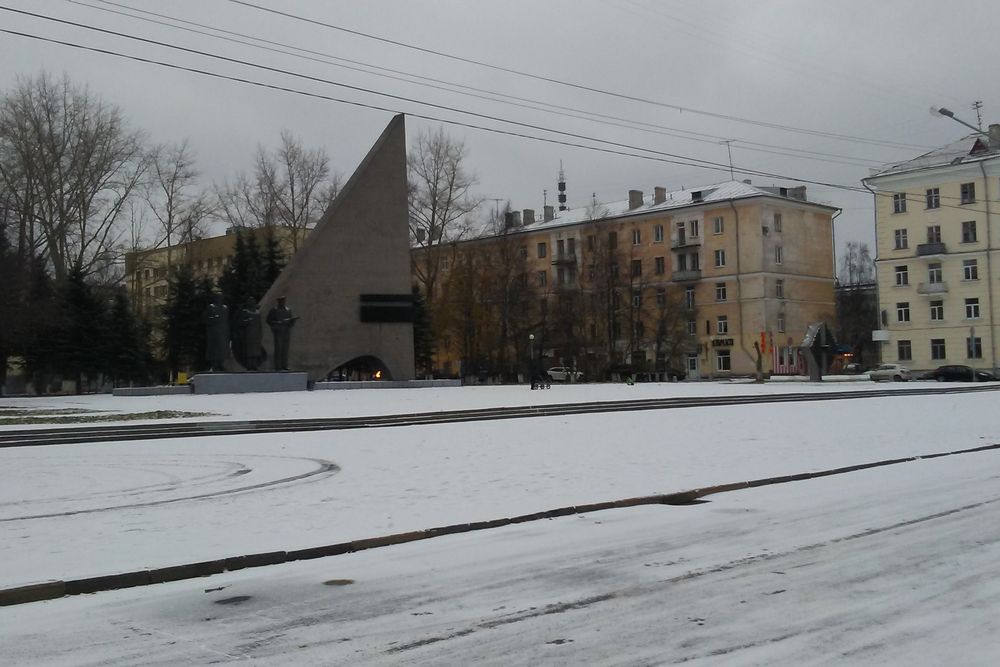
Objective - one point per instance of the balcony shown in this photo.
(685, 242)
(930, 249)
(932, 288)
(686, 276)
(562, 259)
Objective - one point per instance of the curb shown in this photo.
(50, 590)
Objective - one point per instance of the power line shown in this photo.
(537, 77)
(589, 115)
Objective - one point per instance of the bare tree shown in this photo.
(856, 266)
(70, 164)
(246, 202)
(440, 201)
(178, 205)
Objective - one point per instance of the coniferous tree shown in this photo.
(184, 333)
(274, 260)
(81, 334)
(35, 327)
(128, 349)
(423, 339)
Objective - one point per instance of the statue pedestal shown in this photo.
(242, 383)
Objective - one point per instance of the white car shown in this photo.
(892, 372)
(565, 374)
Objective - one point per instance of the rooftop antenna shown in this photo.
(977, 106)
(545, 197)
(562, 187)
(729, 148)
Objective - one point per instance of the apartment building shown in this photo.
(746, 264)
(936, 255)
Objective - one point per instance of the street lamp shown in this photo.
(948, 113)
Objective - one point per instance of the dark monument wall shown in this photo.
(359, 247)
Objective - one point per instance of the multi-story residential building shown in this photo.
(937, 234)
(729, 265)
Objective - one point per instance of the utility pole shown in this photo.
(977, 106)
(729, 148)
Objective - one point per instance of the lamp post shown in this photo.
(948, 113)
(531, 359)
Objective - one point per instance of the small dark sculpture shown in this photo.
(216, 321)
(250, 337)
(281, 321)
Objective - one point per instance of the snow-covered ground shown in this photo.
(865, 575)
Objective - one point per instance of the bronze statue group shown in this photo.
(245, 340)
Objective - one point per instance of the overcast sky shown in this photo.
(661, 73)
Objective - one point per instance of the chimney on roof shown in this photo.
(783, 192)
(659, 195)
(508, 220)
(696, 196)
(995, 136)
(634, 199)
(550, 213)
(515, 218)
(529, 216)
(747, 181)
(798, 193)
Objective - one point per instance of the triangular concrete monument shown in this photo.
(349, 282)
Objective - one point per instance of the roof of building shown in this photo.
(714, 193)
(970, 148)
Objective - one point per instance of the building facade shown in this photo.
(937, 233)
(686, 279)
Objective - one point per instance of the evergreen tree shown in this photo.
(274, 259)
(183, 330)
(35, 328)
(129, 354)
(246, 277)
(423, 339)
(80, 340)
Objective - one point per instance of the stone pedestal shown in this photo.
(242, 383)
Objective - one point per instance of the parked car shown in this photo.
(892, 372)
(956, 373)
(565, 374)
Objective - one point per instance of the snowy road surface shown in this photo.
(891, 566)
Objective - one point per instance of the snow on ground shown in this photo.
(79, 510)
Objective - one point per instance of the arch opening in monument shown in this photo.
(364, 368)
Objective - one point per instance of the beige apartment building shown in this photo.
(937, 234)
(750, 263)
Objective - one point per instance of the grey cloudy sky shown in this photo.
(862, 69)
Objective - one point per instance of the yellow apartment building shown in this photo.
(937, 233)
(738, 263)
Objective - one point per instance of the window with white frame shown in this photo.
(899, 202)
(968, 192)
(902, 243)
(693, 226)
(541, 250)
(777, 222)
(720, 257)
(969, 231)
(779, 255)
(658, 234)
(779, 288)
(659, 265)
(720, 291)
(903, 311)
(718, 225)
(781, 322)
(722, 324)
(937, 311)
(661, 297)
(904, 350)
(934, 234)
(972, 308)
(689, 298)
(974, 347)
(692, 328)
(723, 361)
(637, 298)
(543, 278)
(682, 262)
(933, 198)
(938, 350)
(902, 275)
(636, 236)
(970, 269)
(934, 273)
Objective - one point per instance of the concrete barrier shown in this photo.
(108, 582)
(267, 558)
(46, 590)
(162, 575)
(163, 390)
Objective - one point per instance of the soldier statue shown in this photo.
(281, 321)
(216, 321)
(248, 324)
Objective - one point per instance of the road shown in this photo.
(896, 565)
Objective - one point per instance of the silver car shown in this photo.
(564, 374)
(890, 372)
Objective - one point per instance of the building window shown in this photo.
(720, 257)
(781, 322)
(904, 350)
(693, 228)
(901, 241)
(722, 324)
(970, 268)
(524, 251)
(937, 311)
(661, 297)
(974, 347)
(902, 275)
(937, 348)
(689, 298)
(934, 273)
(637, 298)
(718, 225)
(968, 193)
(695, 262)
(933, 198)
(722, 360)
(903, 311)
(779, 256)
(658, 234)
(636, 268)
(541, 250)
(590, 242)
(636, 236)
(777, 222)
(899, 202)
(692, 328)
(969, 231)
(972, 309)
(543, 278)
(720, 291)
(659, 266)
(560, 248)
(612, 240)
(682, 262)
(561, 276)
(779, 288)
(934, 234)
(571, 247)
